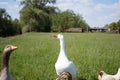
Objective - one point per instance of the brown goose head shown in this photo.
(6, 54)
(9, 49)
(65, 76)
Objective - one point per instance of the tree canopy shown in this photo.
(37, 3)
(36, 15)
(114, 25)
(7, 27)
(67, 19)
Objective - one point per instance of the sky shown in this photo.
(97, 13)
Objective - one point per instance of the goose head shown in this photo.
(9, 49)
(6, 54)
(59, 36)
(65, 76)
(62, 42)
(101, 73)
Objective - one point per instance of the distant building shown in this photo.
(73, 30)
(96, 29)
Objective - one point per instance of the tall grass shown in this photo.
(37, 53)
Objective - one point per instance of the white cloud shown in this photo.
(115, 6)
(89, 10)
(109, 13)
(119, 1)
(14, 7)
(94, 14)
(110, 18)
(100, 7)
(78, 6)
(64, 1)
(20, 0)
(85, 2)
(3, 3)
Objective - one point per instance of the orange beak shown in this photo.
(55, 35)
(14, 47)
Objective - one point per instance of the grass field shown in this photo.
(37, 53)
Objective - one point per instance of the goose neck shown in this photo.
(6, 58)
(62, 45)
(118, 73)
(62, 55)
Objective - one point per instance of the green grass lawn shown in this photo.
(37, 53)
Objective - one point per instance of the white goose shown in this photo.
(104, 76)
(63, 64)
(5, 74)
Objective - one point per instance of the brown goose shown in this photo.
(5, 74)
(65, 76)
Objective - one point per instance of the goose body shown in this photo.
(5, 74)
(63, 64)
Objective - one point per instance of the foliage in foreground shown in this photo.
(37, 53)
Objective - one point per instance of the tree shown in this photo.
(17, 29)
(118, 25)
(5, 23)
(67, 19)
(35, 15)
(37, 3)
(7, 26)
(35, 19)
(113, 26)
(106, 26)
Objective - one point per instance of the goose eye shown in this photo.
(8, 46)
